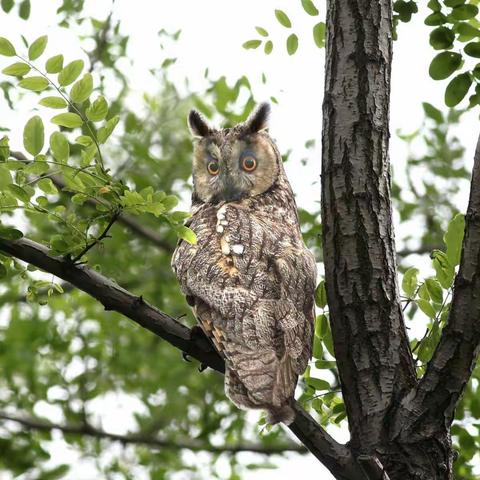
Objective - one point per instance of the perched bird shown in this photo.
(250, 279)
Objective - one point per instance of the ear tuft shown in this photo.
(198, 125)
(258, 120)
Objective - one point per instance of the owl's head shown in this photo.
(233, 163)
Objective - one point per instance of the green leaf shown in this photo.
(7, 5)
(434, 289)
(19, 192)
(70, 73)
(186, 234)
(442, 38)
(3, 271)
(54, 64)
(251, 44)
(4, 149)
(24, 10)
(292, 44)
(268, 47)
(82, 89)
(426, 307)
(98, 110)
(261, 31)
(53, 102)
(317, 351)
(38, 167)
(87, 155)
(432, 112)
(444, 64)
(37, 47)
(473, 49)
(310, 8)
(319, 34)
(5, 177)
(464, 12)
(434, 5)
(46, 185)
(457, 89)
(453, 3)
(405, 9)
(10, 233)
(423, 292)
(105, 132)
(18, 69)
(84, 140)
(321, 295)
(453, 239)
(283, 18)
(169, 202)
(410, 282)
(6, 48)
(445, 272)
(318, 384)
(34, 135)
(466, 31)
(36, 84)
(60, 147)
(435, 19)
(69, 120)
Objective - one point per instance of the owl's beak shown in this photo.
(231, 192)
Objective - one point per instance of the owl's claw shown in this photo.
(202, 367)
(186, 357)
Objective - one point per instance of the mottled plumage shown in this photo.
(250, 278)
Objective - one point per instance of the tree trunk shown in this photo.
(371, 345)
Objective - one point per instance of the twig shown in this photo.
(103, 235)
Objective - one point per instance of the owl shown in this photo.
(249, 278)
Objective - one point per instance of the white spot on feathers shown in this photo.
(238, 249)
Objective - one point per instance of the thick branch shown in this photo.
(370, 340)
(114, 297)
(336, 457)
(430, 407)
(144, 439)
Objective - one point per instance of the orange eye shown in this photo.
(213, 168)
(249, 163)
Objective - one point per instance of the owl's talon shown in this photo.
(202, 367)
(186, 357)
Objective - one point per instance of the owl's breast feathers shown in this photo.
(253, 282)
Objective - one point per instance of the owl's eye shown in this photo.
(213, 168)
(249, 163)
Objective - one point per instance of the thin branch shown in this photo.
(336, 457)
(103, 235)
(131, 223)
(431, 405)
(31, 423)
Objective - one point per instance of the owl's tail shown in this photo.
(284, 414)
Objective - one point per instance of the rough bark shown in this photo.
(405, 422)
(371, 345)
(336, 457)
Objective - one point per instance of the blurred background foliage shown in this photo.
(65, 362)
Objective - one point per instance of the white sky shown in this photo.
(212, 34)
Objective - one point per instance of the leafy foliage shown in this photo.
(292, 40)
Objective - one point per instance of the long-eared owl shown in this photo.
(250, 279)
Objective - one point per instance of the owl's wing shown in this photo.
(253, 287)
